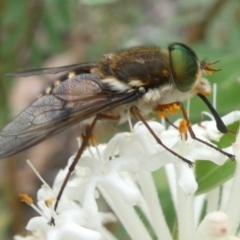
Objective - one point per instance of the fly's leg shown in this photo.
(137, 113)
(192, 134)
(86, 138)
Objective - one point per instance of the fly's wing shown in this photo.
(72, 101)
(79, 68)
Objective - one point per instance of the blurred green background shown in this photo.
(48, 33)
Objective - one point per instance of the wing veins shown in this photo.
(53, 70)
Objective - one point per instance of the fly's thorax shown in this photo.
(137, 66)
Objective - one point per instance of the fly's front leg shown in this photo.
(192, 134)
(137, 113)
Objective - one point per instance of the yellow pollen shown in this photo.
(49, 202)
(94, 140)
(25, 198)
(183, 126)
(165, 110)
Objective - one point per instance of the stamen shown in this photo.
(94, 140)
(29, 201)
(26, 199)
(91, 152)
(39, 176)
(49, 202)
(130, 124)
(98, 153)
(95, 144)
(183, 129)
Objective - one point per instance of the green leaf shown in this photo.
(228, 139)
(210, 175)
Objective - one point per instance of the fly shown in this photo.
(131, 82)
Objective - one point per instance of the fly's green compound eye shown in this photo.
(184, 65)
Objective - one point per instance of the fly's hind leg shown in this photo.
(86, 137)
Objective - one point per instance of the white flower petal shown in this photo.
(155, 161)
(113, 168)
(130, 193)
(186, 178)
(37, 223)
(89, 202)
(210, 154)
(140, 127)
(112, 146)
(72, 231)
(231, 117)
(231, 238)
(233, 208)
(66, 229)
(131, 163)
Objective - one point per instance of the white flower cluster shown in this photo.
(121, 172)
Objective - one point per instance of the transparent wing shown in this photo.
(72, 101)
(80, 68)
